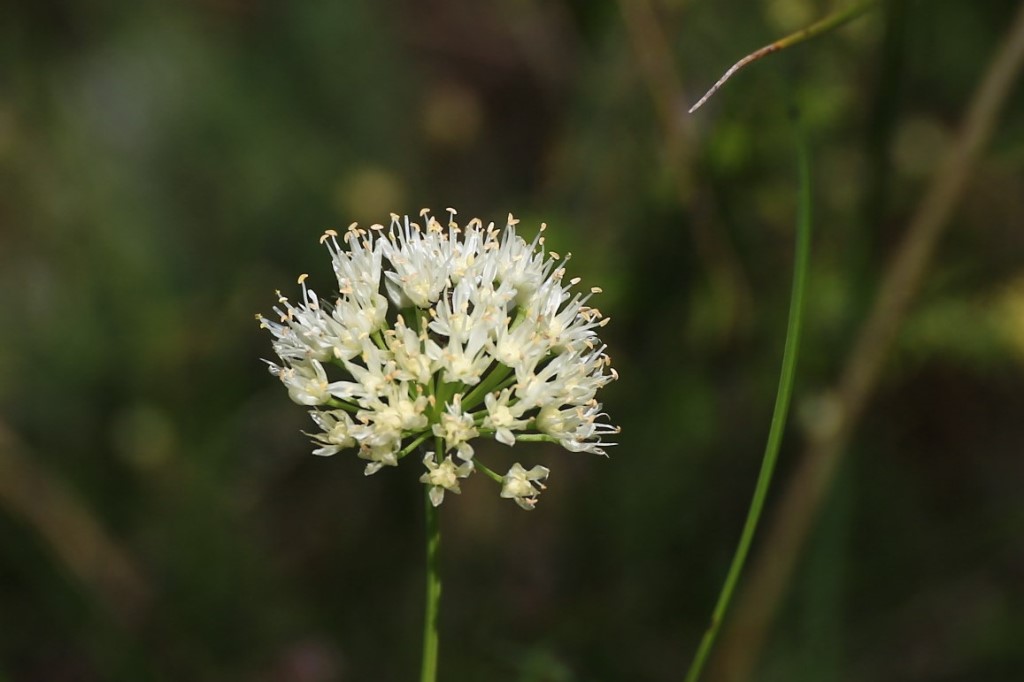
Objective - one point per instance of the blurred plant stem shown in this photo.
(832, 21)
(76, 537)
(782, 402)
(816, 470)
(728, 281)
(432, 598)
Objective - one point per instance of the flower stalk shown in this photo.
(432, 598)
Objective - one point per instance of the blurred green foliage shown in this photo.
(164, 167)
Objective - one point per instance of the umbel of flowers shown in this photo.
(440, 334)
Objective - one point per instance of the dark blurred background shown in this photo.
(164, 167)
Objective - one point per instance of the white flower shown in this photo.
(461, 363)
(519, 263)
(338, 430)
(524, 486)
(503, 418)
(443, 476)
(306, 381)
(381, 451)
(441, 332)
(457, 429)
(420, 269)
(407, 349)
(575, 428)
(359, 269)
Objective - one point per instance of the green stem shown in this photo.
(537, 438)
(782, 401)
(428, 671)
(343, 405)
(493, 475)
(486, 385)
(413, 445)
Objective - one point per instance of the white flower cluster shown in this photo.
(476, 336)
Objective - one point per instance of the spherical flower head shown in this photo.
(441, 334)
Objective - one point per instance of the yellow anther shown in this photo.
(302, 277)
(596, 290)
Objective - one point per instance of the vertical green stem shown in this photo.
(432, 597)
(782, 400)
(428, 672)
